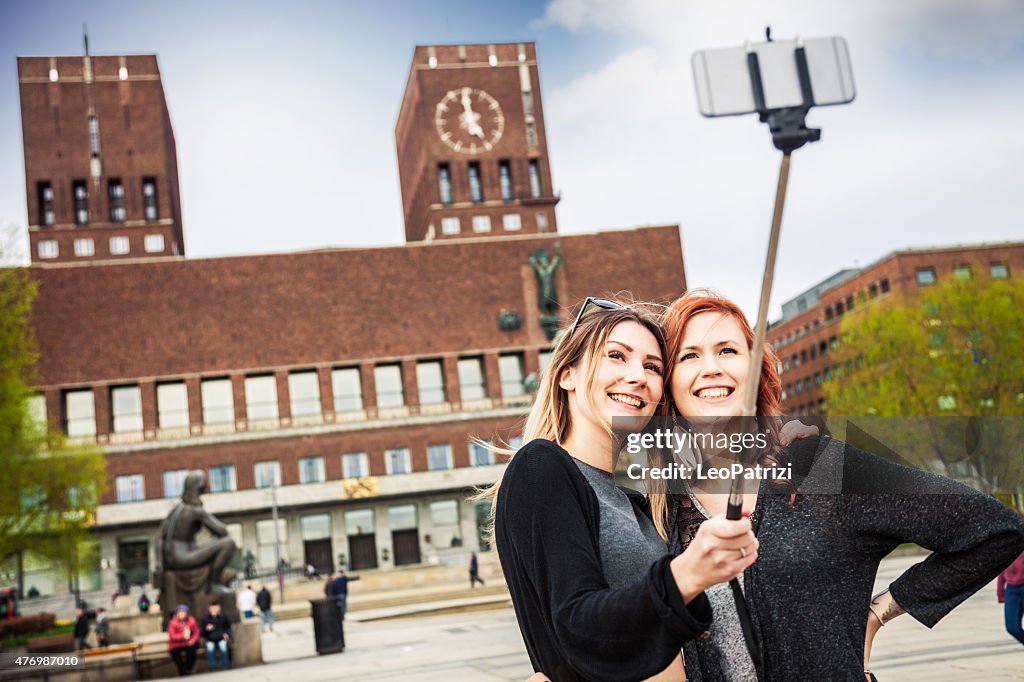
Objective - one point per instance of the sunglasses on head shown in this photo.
(593, 301)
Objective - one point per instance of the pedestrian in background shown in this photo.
(81, 628)
(474, 571)
(1010, 593)
(246, 602)
(182, 635)
(264, 601)
(102, 627)
(339, 589)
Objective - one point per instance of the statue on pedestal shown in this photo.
(547, 296)
(192, 574)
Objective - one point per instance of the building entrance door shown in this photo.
(318, 553)
(407, 546)
(362, 552)
(133, 559)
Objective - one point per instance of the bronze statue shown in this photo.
(192, 574)
(547, 298)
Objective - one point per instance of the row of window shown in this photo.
(222, 478)
(261, 399)
(844, 306)
(80, 201)
(807, 354)
(86, 247)
(476, 187)
(122, 72)
(963, 272)
(482, 223)
(816, 379)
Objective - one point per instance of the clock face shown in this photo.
(469, 120)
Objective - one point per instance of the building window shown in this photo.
(48, 248)
(444, 522)
(94, 137)
(544, 359)
(130, 488)
(316, 527)
(80, 194)
(80, 413)
(480, 454)
(873, 291)
(149, 205)
(348, 391)
(925, 276)
(261, 397)
(267, 474)
(817, 378)
(172, 405)
(531, 132)
(304, 393)
(511, 221)
(430, 380)
(154, 243)
(222, 479)
(476, 190)
(849, 305)
(505, 180)
(84, 247)
(829, 314)
(481, 223)
(119, 246)
(355, 465)
(388, 379)
(311, 469)
(268, 539)
(534, 179)
(840, 308)
(542, 221)
(174, 482)
(444, 183)
(115, 192)
(439, 457)
(471, 379)
(999, 270)
(510, 370)
(396, 461)
(962, 272)
(450, 226)
(126, 409)
(44, 193)
(884, 285)
(218, 403)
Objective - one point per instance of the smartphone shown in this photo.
(723, 78)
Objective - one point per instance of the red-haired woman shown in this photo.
(823, 533)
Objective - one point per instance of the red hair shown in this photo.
(699, 301)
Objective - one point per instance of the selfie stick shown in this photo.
(789, 132)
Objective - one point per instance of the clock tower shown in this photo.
(472, 149)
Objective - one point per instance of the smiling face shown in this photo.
(627, 380)
(710, 368)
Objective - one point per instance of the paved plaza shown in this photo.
(970, 644)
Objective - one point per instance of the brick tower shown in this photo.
(101, 172)
(472, 149)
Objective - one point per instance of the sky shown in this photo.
(284, 119)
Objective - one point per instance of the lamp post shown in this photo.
(277, 540)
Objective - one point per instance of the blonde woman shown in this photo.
(595, 594)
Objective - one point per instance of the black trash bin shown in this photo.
(328, 630)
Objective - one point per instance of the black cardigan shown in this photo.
(575, 626)
(811, 586)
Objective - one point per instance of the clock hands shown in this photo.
(469, 118)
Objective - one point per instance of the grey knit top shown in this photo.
(810, 588)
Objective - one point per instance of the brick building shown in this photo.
(347, 384)
(808, 332)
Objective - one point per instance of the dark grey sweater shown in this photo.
(810, 588)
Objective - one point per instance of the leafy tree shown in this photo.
(946, 371)
(50, 489)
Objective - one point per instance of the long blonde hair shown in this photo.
(549, 417)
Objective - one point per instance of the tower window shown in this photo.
(531, 132)
(119, 246)
(450, 226)
(81, 197)
(444, 183)
(149, 198)
(542, 221)
(84, 247)
(154, 243)
(505, 178)
(534, 179)
(115, 190)
(94, 136)
(45, 196)
(481, 223)
(476, 190)
(511, 221)
(48, 248)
